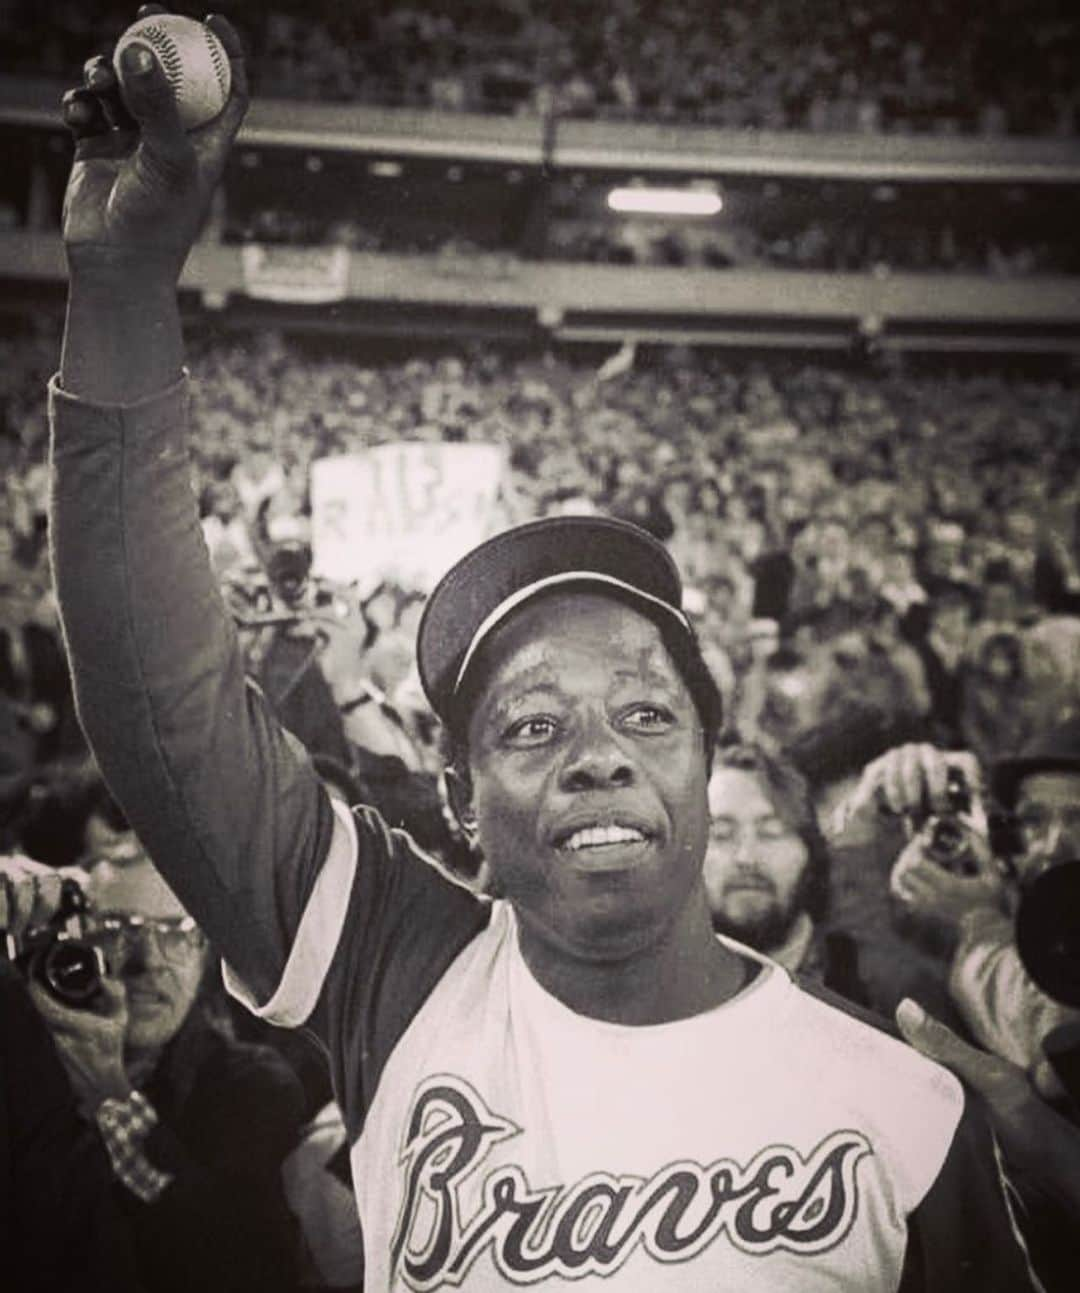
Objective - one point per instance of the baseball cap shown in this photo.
(1055, 750)
(489, 583)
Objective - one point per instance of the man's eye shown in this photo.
(772, 829)
(530, 731)
(649, 717)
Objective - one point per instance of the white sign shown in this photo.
(297, 275)
(403, 512)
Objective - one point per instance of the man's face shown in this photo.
(1000, 604)
(225, 501)
(161, 985)
(951, 619)
(588, 774)
(1048, 815)
(755, 863)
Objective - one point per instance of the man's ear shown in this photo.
(459, 794)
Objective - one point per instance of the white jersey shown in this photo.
(774, 1142)
(771, 1143)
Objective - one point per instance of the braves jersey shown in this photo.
(497, 1138)
(773, 1142)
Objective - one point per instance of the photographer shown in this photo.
(973, 906)
(196, 1125)
(59, 1226)
(1040, 790)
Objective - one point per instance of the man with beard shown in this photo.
(767, 868)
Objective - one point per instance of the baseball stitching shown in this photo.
(216, 51)
(168, 54)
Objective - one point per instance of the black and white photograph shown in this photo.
(540, 646)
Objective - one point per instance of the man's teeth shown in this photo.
(593, 836)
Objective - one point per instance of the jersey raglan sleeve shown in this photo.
(224, 799)
(964, 1234)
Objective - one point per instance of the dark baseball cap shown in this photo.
(1055, 750)
(489, 583)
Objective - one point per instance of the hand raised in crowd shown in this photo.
(934, 894)
(140, 184)
(90, 1041)
(911, 779)
(1032, 1135)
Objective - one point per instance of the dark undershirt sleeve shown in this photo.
(223, 798)
(964, 1233)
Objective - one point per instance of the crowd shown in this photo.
(913, 539)
(852, 245)
(947, 67)
(750, 240)
(872, 557)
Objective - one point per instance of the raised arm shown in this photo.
(307, 902)
(224, 800)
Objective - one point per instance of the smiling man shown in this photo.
(576, 1084)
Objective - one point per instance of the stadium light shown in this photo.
(650, 201)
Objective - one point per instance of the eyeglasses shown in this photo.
(176, 936)
(1037, 823)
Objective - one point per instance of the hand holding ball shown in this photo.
(193, 59)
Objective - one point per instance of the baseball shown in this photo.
(194, 60)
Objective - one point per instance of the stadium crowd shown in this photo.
(752, 241)
(855, 541)
(947, 67)
(872, 557)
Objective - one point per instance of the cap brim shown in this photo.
(493, 580)
(1006, 776)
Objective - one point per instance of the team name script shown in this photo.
(779, 1200)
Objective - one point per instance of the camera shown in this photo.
(1048, 931)
(1048, 940)
(288, 568)
(950, 840)
(57, 956)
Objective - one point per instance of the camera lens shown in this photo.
(71, 970)
(948, 840)
(1048, 931)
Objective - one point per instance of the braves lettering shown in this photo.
(779, 1200)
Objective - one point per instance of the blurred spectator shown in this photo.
(225, 528)
(1024, 1030)
(816, 67)
(943, 650)
(1040, 787)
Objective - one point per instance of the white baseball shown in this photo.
(193, 58)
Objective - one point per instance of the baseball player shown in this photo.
(576, 1083)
